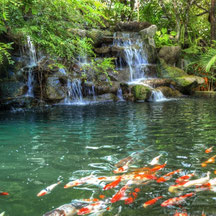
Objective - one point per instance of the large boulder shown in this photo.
(54, 89)
(12, 89)
(148, 33)
(141, 92)
(133, 26)
(106, 97)
(183, 82)
(170, 54)
(169, 92)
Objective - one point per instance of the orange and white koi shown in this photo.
(66, 210)
(4, 193)
(92, 208)
(122, 169)
(209, 150)
(184, 178)
(121, 193)
(167, 176)
(155, 160)
(175, 188)
(84, 180)
(180, 214)
(112, 184)
(157, 167)
(210, 160)
(151, 202)
(176, 200)
(48, 189)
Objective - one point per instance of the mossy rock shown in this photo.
(183, 82)
(141, 92)
(169, 92)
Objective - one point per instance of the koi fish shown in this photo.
(176, 200)
(2, 214)
(175, 188)
(4, 193)
(167, 176)
(184, 178)
(209, 150)
(48, 189)
(210, 160)
(87, 179)
(180, 214)
(120, 194)
(158, 167)
(122, 169)
(124, 161)
(132, 197)
(155, 160)
(92, 208)
(66, 210)
(151, 202)
(112, 184)
(197, 181)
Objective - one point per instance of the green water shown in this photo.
(37, 148)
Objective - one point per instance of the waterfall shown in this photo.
(119, 94)
(157, 96)
(134, 54)
(32, 62)
(74, 92)
(132, 50)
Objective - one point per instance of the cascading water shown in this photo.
(133, 52)
(119, 94)
(32, 62)
(74, 92)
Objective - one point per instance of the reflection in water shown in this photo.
(36, 149)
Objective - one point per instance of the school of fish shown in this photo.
(129, 181)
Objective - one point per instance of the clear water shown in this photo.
(70, 142)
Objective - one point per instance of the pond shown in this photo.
(65, 143)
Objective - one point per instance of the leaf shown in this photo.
(210, 63)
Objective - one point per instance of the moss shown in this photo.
(140, 92)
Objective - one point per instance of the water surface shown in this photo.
(69, 142)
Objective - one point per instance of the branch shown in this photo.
(205, 12)
(200, 7)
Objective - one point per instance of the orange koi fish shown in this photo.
(168, 176)
(48, 189)
(210, 160)
(176, 200)
(132, 197)
(120, 194)
(4, 193)
(209, 150)
(184, 178)
(180, 214)
(175, 188)
(92, 208)
(112, 184)
(152, 202)
(155, 160)
(158, 167)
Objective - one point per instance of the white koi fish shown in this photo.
(48, 189)
(155, 160)
(2, 214)
(66, 210)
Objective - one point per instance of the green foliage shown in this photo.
(162, 38)
(4, 52)
(100, 66)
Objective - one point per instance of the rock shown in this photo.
(12, 89)
(105, 88)
(133, 26)
(106, 97)
(154, 83)
(183, 82)
(149, 33)
(141, 92)
(170, 54)
(169, 92)
(54, 89)
(102, 50)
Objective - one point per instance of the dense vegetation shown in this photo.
(51, 23)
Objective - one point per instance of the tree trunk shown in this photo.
(213, 20)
